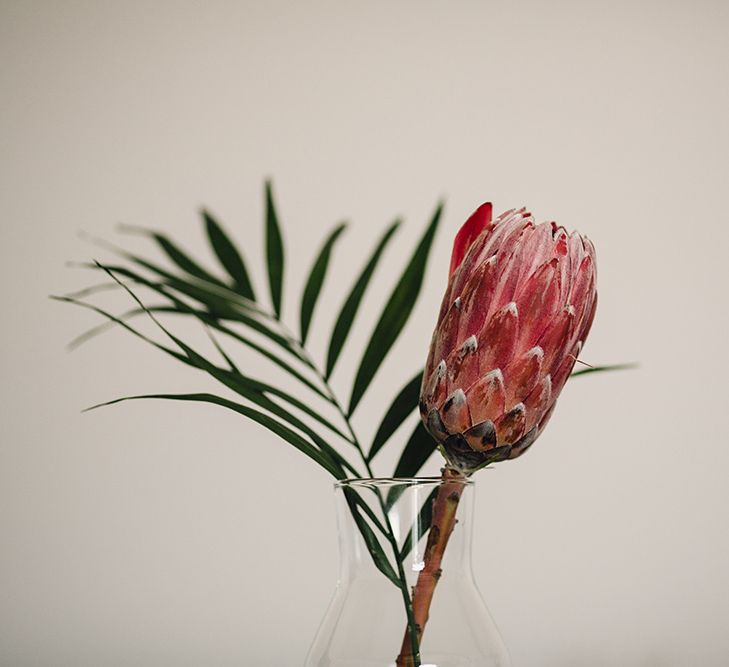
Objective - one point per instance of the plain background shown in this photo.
(164, 534)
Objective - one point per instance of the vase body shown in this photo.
(369, 622)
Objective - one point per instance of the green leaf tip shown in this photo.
(351, 304)
(315, 281)
(602, 369)
(396, 312)
(281, 430)
(274, 251)
(228, 255)
(174, 253)
(402, 406)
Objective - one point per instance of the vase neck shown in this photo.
(378, 519)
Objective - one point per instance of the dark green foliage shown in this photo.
(229, 307)
(395, 314)
(229, 256)
(274, 252)
(354, 298)
(403, 405)
(600, 369)
(316, 280)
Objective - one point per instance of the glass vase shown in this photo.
(406, 595)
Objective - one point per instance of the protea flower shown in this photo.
(520, 301)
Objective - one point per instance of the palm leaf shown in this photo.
(405, 402)
(121, 323)
(421, 525)
(175, 254)
(229, 256)
(221, 351)
(417, 451)
(351, 304)
(370, 539)
(316, 280)
(395, 314)
(104, 326)
(271, 424)
(215, 288)
(274, 252)
(247, 387)
(218, 306)
(600, 369)
(180, 308)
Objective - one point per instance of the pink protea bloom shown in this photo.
(520, 301)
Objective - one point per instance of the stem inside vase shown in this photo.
(442, 524)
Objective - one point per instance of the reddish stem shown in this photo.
(445, 505)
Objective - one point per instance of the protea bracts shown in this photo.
(520, 301)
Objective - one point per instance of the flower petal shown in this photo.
(538, 401)
(539, 302)
(583, 282)
(486, 397)
(556, 338)
(476, 298)
(510, 427)
(522, 375)
(455, 413)
(482, 436)
(434, 390)
(498, 339)
(564, 369)
(435, 426)
(446, 336)
(463, 365)
(479, 221)
(536, 248)
(524, 443)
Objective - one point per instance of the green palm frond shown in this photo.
(228, 307)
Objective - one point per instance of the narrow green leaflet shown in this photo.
(216, 324)
(176, 254)
(366, 509)
(405, 402)
(93, 289)
(221, 351)
(121, 323)
(422, 524)
(229, 256)
(600, 369)
(256, 391)
(263, 419)
(104, 326)
(181, 308)
(417, 451)
(373, 544)
(316, 280)
(217, 305)
(351, 304)
(224, 295)
(246, 387)
(274, 252)
(395, 314)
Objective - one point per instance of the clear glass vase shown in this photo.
(406, 595)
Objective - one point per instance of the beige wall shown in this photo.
(154, 534)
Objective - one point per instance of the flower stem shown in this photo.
(445, 505)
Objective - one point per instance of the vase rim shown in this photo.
(393, 481)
